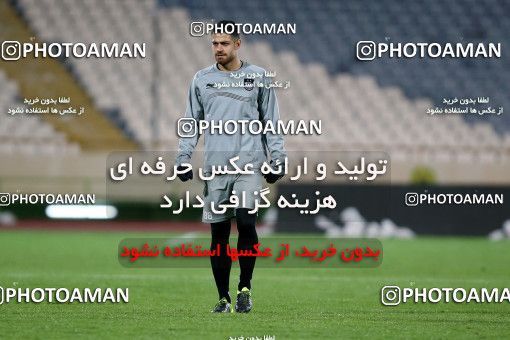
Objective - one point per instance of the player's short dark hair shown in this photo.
(227, 27)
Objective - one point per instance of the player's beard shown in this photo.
(225, 60)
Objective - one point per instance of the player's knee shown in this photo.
(244, 218)
(220, 232)
(246, 225)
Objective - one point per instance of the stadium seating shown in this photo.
(377, 105)
(27, 134)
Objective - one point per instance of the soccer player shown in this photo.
(251, 101)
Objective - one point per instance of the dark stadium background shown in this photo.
(132, 106)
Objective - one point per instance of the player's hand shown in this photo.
(273, 177)
(184, 176)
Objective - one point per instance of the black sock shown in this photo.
(247, 238)
(221, 265)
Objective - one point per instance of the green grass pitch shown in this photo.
(288, 304)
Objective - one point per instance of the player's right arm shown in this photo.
(194, 111)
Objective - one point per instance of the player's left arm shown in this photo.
(268, 111)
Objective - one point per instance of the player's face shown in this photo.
(224, 48)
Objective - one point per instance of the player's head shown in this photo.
(225, 42)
